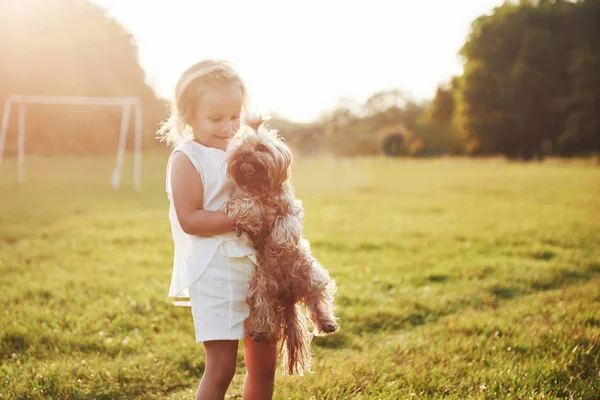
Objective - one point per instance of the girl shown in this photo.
(212, 266)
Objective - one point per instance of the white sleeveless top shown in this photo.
(193, 253)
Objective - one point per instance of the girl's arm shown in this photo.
(188, 200)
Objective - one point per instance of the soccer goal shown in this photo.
(129, 104)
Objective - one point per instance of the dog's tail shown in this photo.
(296, 357)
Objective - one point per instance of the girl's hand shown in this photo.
(270, 215)
(223, 212)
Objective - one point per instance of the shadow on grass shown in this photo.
(389, 320)
(561, 278)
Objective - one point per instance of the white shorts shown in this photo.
(218, 297)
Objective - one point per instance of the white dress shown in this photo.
(212, 271)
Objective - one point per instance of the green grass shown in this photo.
(458, 279)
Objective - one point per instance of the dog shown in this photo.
(259, 165)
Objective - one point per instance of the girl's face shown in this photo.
(217, 116)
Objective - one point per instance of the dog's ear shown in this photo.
(255, 121)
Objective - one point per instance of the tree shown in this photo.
(531, 79)
(70, 48)
(384, 100)
(582, 126)
(442, 106)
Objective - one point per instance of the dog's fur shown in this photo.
(259, 164)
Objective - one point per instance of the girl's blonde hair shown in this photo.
(190, 86)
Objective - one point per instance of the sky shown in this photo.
(299, 59)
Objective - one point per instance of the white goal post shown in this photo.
(128, 103)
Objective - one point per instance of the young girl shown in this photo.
(212, 266)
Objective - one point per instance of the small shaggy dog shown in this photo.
(259, 164)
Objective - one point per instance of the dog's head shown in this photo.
(259, 161)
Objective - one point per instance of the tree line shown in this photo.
(530, 87)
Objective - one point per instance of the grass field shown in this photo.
(458, 279)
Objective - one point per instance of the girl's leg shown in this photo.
(219, 370)
(261, 361)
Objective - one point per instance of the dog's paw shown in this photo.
(328, 327)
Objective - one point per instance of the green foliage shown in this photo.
(458, 279)
(439, 138)
(582, 126)
(442, 107)
(530, 82)
(362, 129)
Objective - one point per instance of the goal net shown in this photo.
(129, 104)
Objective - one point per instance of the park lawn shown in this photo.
(457, 279)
